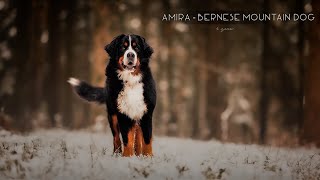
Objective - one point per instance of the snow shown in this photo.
(62, 154)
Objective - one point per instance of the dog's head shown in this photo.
(130, 51)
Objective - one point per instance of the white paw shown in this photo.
(74, 81)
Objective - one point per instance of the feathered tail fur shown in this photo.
(88, 92)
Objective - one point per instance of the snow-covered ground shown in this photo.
(59, 154)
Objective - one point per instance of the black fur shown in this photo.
(114, 86)
(109, 94)
(90, 93)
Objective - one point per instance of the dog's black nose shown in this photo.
(130, 55)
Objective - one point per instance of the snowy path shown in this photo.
(58, 154)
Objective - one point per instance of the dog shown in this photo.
(129, 94)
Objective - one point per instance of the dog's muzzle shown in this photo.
(130, 60)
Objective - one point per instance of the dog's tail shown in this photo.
(88, 92)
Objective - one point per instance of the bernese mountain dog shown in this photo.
(129, 94)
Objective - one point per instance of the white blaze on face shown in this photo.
(130, 50)
(130, 100)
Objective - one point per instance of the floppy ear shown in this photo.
(112, 47)
(147, 49)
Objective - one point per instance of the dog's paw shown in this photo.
(74, 81)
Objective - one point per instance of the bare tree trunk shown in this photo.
(79, 48)
(18, 107)
(171, 78)
(8, 61)
(203, 128)
(56, 89)
(38, 59)
(103, 34)
(29, 58)
(202, 101)
(165, 88)
(301, 48)
(280, 79)
(264, 65)
(311, 133)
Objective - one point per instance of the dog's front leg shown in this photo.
(146, 127)
(138, 140)
(127, 129)
(113, 120)
(128, 145)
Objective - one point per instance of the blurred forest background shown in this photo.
(256, 84)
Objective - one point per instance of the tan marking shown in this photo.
(138, 140)
(147, 148)
(128, 150)
(137, 70)
(120, 63)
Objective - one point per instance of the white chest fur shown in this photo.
(130, 99)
